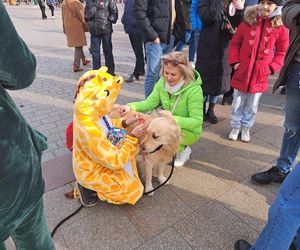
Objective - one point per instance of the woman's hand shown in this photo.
(138, 131)
(124, 110)
(166, 113)
(236, 66)
(239, 4)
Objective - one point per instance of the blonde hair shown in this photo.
(184, 65)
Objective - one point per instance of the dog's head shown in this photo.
(162, 134)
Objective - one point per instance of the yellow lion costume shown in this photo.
(98, 165)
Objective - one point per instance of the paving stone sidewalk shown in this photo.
(208, 204)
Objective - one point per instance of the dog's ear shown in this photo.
(175, 130)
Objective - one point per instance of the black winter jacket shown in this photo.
(154, 18)
(106, 15)
(212, 53)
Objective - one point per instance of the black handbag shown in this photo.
(89, 14)
(226, 27)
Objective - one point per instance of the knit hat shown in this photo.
(277, 2)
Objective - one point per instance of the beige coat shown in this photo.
(73, 22)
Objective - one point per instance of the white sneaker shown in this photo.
(234, 134)
(245, 134)
(193, 65)
(53, 17)
(183, 157)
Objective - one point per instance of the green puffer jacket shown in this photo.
(21, 183)
(188, 112)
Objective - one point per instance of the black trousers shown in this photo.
(42, 7)
(137, 44)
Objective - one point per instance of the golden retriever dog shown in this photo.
(158, 145)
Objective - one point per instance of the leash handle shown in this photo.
(159, 186)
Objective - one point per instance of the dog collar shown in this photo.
(158, 148)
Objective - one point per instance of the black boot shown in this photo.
(87, 197)
(133, 77)
(266, 177)
(242, 245)
(210, 114)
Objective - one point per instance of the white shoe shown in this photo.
(234, 134)
(245, 134)
(193, 65)
(183, 157)
(53, 17)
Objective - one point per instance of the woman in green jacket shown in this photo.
(179, 93)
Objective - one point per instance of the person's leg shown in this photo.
(168, 48)
(33, 232)
(153, 53)
(210, 114)
(42, 7)
(291, 137)
(95, 51)
(77, 57)
(249, 115)
(239, 99)
(108, 53)
(284, 215)
(193, 45)
(136, 41)
(187, 36)
(51, 7)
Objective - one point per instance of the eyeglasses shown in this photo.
(172, 62)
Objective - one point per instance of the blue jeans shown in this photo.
(187, 36)
(212, 98)
(291, 137)
(153, 54)
(244, 108)
(284, 216)
(107, 51)
(193, 44)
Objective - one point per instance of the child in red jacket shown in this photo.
(257, 50)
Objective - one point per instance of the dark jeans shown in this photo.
(137, 44)
(291, 137)
(107, 51)
(32, 233)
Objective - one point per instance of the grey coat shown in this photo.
(290, 18)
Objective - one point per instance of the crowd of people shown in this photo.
(234, 60)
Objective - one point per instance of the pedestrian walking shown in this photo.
(74, 26)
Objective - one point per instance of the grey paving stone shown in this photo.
(249, 202)
(57, 207)
(213, 227)
(167, 240)
(98, 231)
(196, 187)
(231, 161)
(153, 214)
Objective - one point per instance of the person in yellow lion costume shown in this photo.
(101, 169)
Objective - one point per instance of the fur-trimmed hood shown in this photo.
(251, 17)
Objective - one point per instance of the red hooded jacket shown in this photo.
(259, 45)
